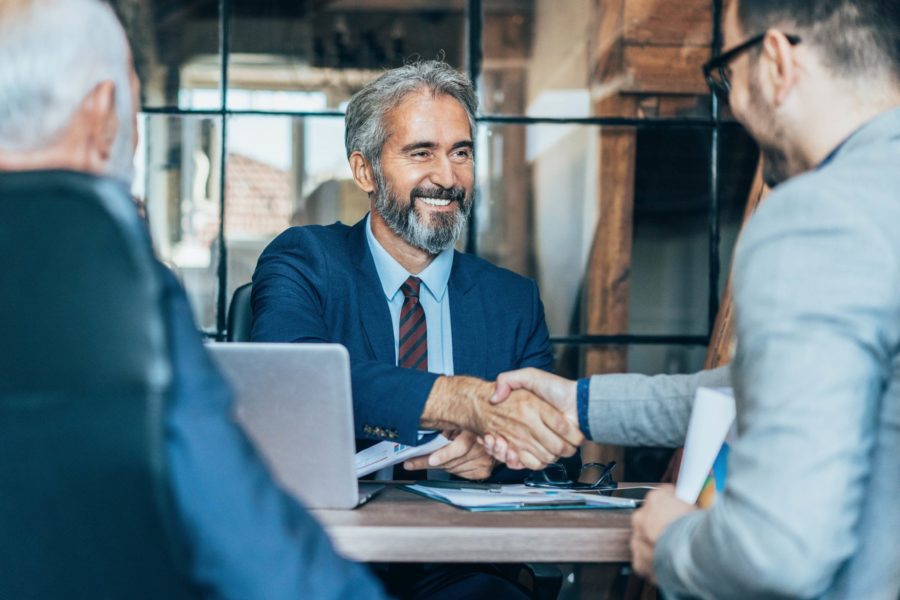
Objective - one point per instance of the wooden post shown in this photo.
(609, 265)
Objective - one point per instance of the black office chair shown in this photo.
(85, 507)
(240, 315)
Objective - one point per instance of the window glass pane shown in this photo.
(648, 359)
(579, 58)
(738, 163)
(176, 51)
(331, 49)
(535, 58)
(670, 248)
(544, 188)
(651, 359)
(281, 172)
(178, 175)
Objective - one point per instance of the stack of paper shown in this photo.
(511, 497)
(388, 454)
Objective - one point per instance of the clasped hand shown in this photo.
(534, 432)
(554, 391)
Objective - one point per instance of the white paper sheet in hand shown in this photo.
(711, 418)
(388, 454)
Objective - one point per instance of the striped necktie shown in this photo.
(413, 350)
(413, 342)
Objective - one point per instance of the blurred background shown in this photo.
(604, 169)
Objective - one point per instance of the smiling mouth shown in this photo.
(434, 201)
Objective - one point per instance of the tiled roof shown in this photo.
(257, 197)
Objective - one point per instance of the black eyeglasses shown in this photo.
(556, 476)
(716, 70)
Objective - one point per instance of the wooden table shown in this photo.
(398, 526)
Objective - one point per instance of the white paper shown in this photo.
(517, 495)
(711, 419)
(388, 454)
(507, 495)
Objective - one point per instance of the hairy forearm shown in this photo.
(456, 403)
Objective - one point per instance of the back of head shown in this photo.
(52, 54)
(858, 40)
(366, 130)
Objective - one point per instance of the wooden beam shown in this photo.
(663, 70)
(668, 23)
(609, 265)
(607, 41)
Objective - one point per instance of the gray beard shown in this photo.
(405, 221)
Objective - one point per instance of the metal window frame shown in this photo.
(474, 20)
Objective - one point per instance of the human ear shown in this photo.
(781, 67)
(101, 125)
(363, 175)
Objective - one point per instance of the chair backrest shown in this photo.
(85, 503)
(240, 315)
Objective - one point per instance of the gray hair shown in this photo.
(52, 54)
(366, 130)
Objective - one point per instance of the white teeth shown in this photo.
(434, 201)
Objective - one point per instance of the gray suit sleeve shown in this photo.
(642, 410)
(817, 319)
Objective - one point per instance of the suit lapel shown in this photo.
(373, 306)
(468, 322)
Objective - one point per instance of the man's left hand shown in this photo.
(462, 457)
(660, 509)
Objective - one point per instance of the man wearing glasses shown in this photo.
(810, 508)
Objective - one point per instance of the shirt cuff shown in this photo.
(583, 399)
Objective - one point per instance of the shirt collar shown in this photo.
(392, 275)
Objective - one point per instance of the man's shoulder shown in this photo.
(852, 194)
(485, 273)
(311, 248)
(333, 234)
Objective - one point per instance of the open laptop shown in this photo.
(294, 402)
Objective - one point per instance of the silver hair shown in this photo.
(366, 130)
(54, 52)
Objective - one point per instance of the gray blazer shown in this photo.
(812, 503)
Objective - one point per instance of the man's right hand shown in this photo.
(558, 391)
(537, 432)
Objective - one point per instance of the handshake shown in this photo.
(527, 419)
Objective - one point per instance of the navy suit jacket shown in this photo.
(319, 284)
(248, 539)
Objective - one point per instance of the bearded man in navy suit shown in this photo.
(428, 328)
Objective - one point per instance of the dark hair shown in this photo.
(856, 37)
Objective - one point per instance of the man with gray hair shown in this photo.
(68, 99)
(428, 328)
